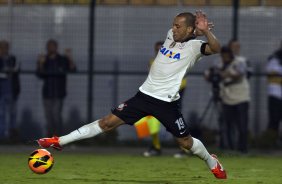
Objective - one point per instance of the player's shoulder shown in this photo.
(196, 44)
(196, 41)
(169, 34)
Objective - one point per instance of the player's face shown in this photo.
(180, 29)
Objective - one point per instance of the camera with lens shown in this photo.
(214, 77)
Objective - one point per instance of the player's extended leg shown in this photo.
(130, 112)
(105, 124)
(197, 148)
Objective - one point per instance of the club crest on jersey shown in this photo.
(121, 106)
(168, 53)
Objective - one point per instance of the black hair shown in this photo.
(226, 50)
(277, 54)
(52, 41)
(190, 18)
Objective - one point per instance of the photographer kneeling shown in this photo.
(235, 95)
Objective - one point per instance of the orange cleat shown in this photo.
(218, 171)
(50, 142)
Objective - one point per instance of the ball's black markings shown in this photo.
(32, 154)
(47, 170)
(41, 161)
(45, 158)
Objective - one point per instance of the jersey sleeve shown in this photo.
(199, 47)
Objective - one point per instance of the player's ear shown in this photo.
(190, 29)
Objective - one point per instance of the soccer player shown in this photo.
(153, 124)
(158, 96)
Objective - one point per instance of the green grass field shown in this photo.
(125, 169)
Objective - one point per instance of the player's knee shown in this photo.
(105, 124)
(185, 143)
(108, 123)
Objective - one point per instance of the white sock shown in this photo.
(84, 132)
(199, 149)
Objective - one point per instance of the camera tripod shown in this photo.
(214, 106)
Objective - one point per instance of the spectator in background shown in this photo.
(235, 96)
(52, 68)
(9, 91)
(235, 47)
(274, 76)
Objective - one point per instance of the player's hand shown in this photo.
(202, 24)
(197, 32)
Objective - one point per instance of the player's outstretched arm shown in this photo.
(202, 25)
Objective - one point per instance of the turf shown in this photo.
(125, 169)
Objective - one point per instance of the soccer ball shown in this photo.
(40, 161)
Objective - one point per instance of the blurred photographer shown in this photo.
(235, 47)
(212, 75)
(230, 78)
